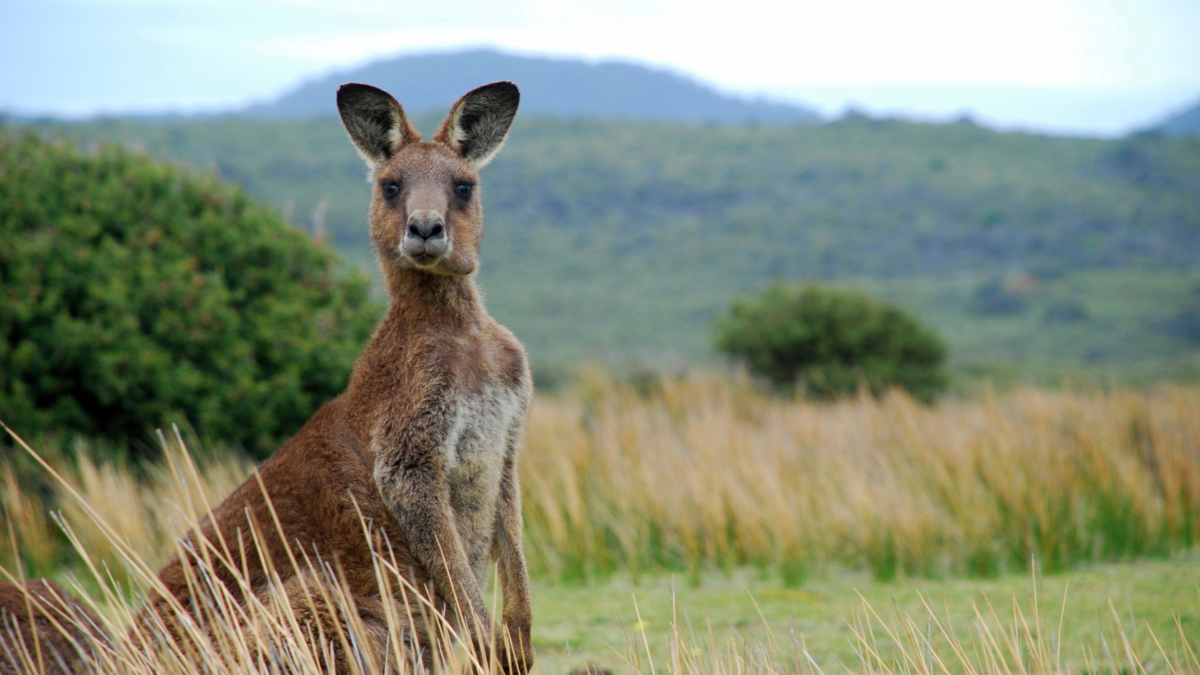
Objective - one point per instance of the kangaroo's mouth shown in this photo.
(424, 252)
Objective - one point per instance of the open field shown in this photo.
(706, 474)
(578, 623)
(1119, 327)
(704, 495)
(1118, 618)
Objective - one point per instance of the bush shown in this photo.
(830, 342)
(136, 294)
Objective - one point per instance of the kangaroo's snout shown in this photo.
(425, 239)
(426, 225)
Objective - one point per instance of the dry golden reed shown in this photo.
(264, 634)
(703, 471)
(706, 471)
(224, 628)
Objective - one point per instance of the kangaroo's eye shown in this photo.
(464, 190)
(391, 189)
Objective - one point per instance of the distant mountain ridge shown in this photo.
(561, 88)
(1186, 123)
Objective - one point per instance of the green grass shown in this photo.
(1125, 337)
(574, 624)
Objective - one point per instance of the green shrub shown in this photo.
(134, 294)
(832, 341)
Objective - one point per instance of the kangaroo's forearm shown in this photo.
(514, 581)
(507, 550)
(513, 575)
(420, 503)
(438, 549)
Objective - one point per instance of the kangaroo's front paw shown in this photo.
(514, 650)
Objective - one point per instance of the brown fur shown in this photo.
(41, 620)
(424, 440)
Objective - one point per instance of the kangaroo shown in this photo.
(423, 442)
(44, 628)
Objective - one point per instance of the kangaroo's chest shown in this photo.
(483, 426)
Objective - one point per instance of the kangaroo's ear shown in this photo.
(375, 122)
(479, 122)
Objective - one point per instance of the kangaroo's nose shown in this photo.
(426, 225)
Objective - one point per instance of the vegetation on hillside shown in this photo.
(137, 294)
(618, 241)
(831, 342)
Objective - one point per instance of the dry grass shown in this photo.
(703, 472)
(706, 472)
(217, 632)
(265, 635)
(144, 510)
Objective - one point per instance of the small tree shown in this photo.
(829, 342)
(134, 294)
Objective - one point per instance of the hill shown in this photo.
(1186, 123)
(548, 87)
(622, 241)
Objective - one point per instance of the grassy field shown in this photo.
(1121, 328)
(597, 622)
(706, 474)
(1117, 327)
(733, 518)
(1119, 618)
(699, 473)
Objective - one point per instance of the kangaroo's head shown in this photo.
(425, 209)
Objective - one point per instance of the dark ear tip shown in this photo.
(352, 88)
(352, 91)
(503, 89)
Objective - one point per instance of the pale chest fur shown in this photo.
(484, 428)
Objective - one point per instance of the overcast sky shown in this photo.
(1098, 67)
